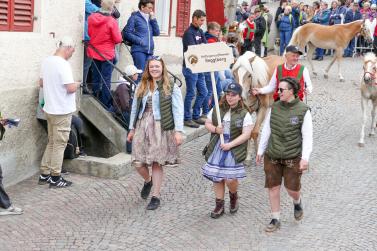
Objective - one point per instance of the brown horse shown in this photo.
(330, 37)
(252, 71)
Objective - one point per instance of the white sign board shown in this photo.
(208, 57)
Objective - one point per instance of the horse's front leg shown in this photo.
(364, 104)
(326, 75)
(309, 55)
(373, 113)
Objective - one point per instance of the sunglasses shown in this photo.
(283, 89)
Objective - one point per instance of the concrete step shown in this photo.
(120, 164)
(103, 121)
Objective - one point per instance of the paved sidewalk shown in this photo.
(99, 214)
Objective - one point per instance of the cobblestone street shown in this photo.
(339, 197)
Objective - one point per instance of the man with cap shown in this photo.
(291, 68)
(286, 143)
(59, 90)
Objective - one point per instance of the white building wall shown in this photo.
(21, 56)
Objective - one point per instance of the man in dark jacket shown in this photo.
(194, 36)
(139, 30)
(352, 14)
(260, 28)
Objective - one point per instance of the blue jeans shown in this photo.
(349, 50)
(206, 107)
(102, 71)
(140, 60)
(4, 198)
(87, 63)
(194, 81)
(285, 37)
(319, 52)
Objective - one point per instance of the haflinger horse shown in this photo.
(368, 92)
(335, 37)
(251, 72)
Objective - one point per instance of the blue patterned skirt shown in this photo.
(221, 165)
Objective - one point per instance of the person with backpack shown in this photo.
(286, 24)
(156, 127)
(291, 68)
(139, 31)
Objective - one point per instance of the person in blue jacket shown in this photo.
(89, 9)
(286, 24)
(352, 14)
(139, 30)
(322, 17)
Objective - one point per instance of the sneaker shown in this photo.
(219, 209)
(154, 203)
(273, 226)
(10, 211)
(199, 121)
(233, 207)
(168, 164)
(44, 179)
(60, 183)
(298, 211)
(190, 123)
(146, 190)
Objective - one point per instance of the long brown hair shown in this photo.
(147, 82)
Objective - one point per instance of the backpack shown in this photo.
(72, 150)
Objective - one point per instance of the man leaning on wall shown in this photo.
(59, 90)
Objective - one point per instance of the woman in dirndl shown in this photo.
(156, 126)
(224, 161)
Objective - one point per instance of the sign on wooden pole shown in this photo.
(210, 58)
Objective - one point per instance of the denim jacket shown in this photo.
(177, 107)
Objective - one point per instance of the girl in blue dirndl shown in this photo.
(224, 161)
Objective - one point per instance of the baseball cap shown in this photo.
(235, 88)
(66, 41)
(131, 70)
(293, 49)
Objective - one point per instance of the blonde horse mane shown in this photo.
(255, 66)
(370, 56)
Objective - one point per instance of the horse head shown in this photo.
(367, 29)
(369, 68)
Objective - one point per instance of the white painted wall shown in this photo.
(21, 56)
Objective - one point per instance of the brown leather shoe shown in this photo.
(190, 123)
(219, 209)
(233, 207)
(199, 121)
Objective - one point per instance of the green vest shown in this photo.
(286, 122)
(237, 116)
(166, 109)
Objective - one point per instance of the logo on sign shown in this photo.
(193, 59)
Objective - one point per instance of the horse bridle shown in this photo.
(373, 74)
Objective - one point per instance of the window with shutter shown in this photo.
(183, 16)
(4, 15)
(16, 15)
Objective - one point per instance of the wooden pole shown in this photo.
(217, 109)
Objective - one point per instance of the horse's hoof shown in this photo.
(371, 134)
(326, 76)
(314, 73)
(361, 144)
(341, 79)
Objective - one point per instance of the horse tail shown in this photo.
(295, 40)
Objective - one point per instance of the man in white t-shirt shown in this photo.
(59, 90)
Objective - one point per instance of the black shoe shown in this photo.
(273, 226)
(154, 203)
(199, 121)
(44, 179)
(60, 183)
(315, 58)
(146, 190)
(320, 58)
(298, 211)
(190, 123)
